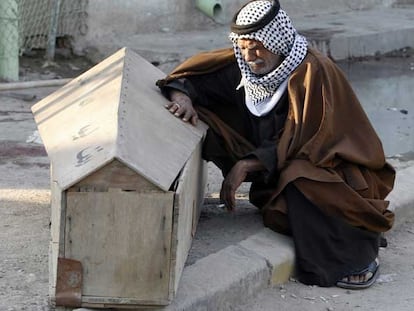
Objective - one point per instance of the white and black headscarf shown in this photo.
(265, 21)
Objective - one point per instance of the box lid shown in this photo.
(115, 111)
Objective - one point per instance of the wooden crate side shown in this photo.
(114, 175)
(56, 245)
(123, 240)
(187, 204)
(202, 182)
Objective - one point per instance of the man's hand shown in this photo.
(234, 179)
(182, 107)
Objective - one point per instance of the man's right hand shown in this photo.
(234, 179)
(182, 107)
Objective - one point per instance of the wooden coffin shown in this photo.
(127, 183)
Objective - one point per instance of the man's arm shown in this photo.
(234, 179)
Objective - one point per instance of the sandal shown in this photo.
(373, 267)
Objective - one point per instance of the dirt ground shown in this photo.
(25, 211)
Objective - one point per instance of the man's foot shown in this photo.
(361, 279)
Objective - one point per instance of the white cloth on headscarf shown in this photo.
(262, 108)
(279, 37)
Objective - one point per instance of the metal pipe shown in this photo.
(51, 38)
(212, 8)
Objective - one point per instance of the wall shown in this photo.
(317, 6)
(109, 20)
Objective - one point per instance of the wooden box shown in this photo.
(127, 183)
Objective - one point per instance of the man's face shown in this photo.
(260, 60)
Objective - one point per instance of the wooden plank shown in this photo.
(57, 207)
(115, 110)
(187, 204)
(123, 240)
(57, 229)
(114, 175)
(151, 140)
(119, 303)
(202, 182)
(53, 251)
(78, 123)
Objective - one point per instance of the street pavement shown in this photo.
(235, 263)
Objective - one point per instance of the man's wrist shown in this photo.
(176, 95)
(251, 165)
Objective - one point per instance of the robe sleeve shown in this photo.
(182, 85)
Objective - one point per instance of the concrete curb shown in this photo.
(235, 274)
(402, 197)
(221, 280)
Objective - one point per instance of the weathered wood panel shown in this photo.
(78, 123)
(123, 240)
(56, 244)
(114, 175)
(151, 140)
(116, 154)
(120, 303)
(187, 204)
(114, 111)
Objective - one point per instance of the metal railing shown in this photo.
(35, 24)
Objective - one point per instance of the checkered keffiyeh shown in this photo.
(278, 36)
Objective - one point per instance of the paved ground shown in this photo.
(24, 219)
(392, 291)
(24, 207)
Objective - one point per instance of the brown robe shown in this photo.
(328, 148)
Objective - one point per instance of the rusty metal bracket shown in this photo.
(69, 283)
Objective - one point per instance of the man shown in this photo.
(283, 117)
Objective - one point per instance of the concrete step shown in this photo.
(341, 35)
(350, 34)
(235, 274)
